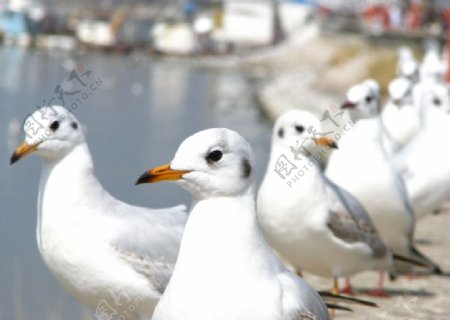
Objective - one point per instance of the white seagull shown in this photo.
(313, 223)
(401, 116)
(112, 256)
(432, 67)
(424, 162)
(225, 269)
(362, 167)
(407, 65)
(409, 111)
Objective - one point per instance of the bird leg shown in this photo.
(335, 290)
(379, 290)
(335, 286)
(348, 287)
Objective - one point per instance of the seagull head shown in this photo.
(409, 69)
(439, 97)
(211, 163)
(399, 90)
(405, 53)
(363, 100)
(301, 131)
(51, 132)
(432, 95)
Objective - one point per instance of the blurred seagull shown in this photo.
(424, 163)
(108, 254)
(432, 68)
(226, 270)
(401, 115)
(362, 167)
(407, 66)
(313, 223)
(410, 110)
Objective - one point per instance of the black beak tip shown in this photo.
(14, 158)
(334, 145)
(144, 178)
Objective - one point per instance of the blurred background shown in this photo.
(143, 75)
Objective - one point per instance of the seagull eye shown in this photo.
(74, 125)
(437, 102)
(214, 156)
(369, 99)
(54, 126)
(299, 129)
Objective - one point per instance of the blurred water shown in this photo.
(136, 117)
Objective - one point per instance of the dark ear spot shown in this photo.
(74, 125)
(281, 132)
(246, 168)
(436, 101)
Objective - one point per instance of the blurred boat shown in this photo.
(95, 32)
(175, 38)
(55, 42)
(17, 28)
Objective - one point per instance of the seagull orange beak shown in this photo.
(161, 173)
(22, 151)
(326, 142)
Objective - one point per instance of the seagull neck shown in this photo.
(218, 231)
(66, 183)
(72, 169)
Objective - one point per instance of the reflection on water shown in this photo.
(135, 120)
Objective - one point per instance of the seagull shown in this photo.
(432, 67)
(407, 65)
(112, 256)
(303, 212)
(424, 163)
(362, 167)
(225, 269)
(401, 115)
(407, 112)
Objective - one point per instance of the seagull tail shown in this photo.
(334, 306)
(434, 268)
(335, 298)
(413, 261)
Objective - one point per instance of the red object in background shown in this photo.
(414, 16)
(383, 13)
(378, 13)
(324, 11)
(448, 51)
(446, 15)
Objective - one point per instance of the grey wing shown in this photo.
(401, 186)
(157, 271)
(349, 221)
(300, 301)
(149, 242)
(396, 168)
(306, 315)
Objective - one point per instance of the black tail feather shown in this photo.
(328, 296)
(435, 269)
(337, 307)
(416, 262)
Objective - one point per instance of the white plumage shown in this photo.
(313, 223)
(103, 251)
(225, 269)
